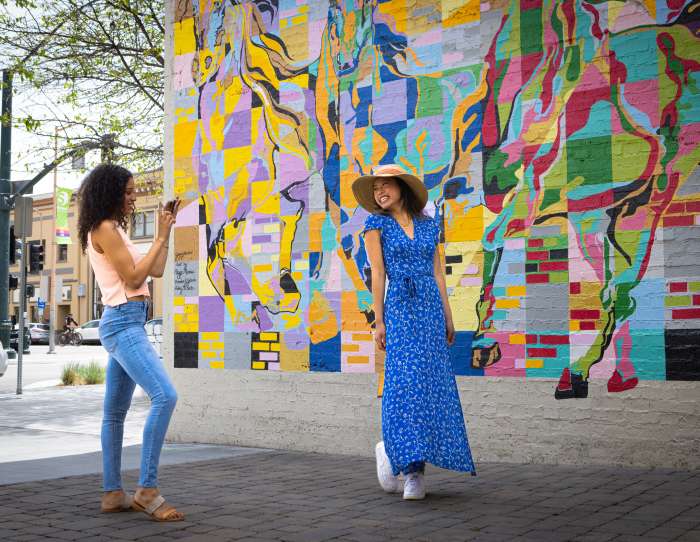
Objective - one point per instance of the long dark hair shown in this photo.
(409, 200)
(101, 197)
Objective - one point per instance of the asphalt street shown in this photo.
(40, 369)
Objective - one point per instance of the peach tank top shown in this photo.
(114, 290)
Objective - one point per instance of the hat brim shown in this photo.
(363, 189)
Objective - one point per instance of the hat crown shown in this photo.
(388, 170)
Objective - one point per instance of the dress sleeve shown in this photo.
(373, 222)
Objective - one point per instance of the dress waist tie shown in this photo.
(408, 289)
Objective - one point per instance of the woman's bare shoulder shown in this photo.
(106, 226)
(104, 231)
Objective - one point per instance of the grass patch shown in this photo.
(75, 374)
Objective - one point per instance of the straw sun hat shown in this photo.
(363, 187)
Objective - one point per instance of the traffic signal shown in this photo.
(30, 290)
(36, 257)
(13, 282)
(15, 247)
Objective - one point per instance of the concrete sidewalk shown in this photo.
(308, 497)
(55, 432)
(56, 422)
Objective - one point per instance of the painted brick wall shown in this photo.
(560, 144)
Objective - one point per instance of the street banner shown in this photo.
(63, 196)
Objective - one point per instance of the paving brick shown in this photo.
(286, 496)
(690, 536)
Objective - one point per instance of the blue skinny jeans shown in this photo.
(132, 360)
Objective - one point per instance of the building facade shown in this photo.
(78, 293)
(559, 142)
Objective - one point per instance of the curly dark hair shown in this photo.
(101, 197)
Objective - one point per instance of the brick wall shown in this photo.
(559, 142)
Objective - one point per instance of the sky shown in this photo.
(27, 157)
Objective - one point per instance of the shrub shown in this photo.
(92, 373)
(75, 374)
(69, 375)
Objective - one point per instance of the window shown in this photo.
(143, 225)
(62, 254)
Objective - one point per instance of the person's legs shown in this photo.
(138, 358)
(416, 466)
(119, 388)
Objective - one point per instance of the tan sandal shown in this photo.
(154, 505)
(125, 506)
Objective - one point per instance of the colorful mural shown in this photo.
(559, 142)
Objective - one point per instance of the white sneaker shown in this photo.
(414, 488)
(389, 482)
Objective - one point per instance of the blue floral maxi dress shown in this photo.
(422, 419)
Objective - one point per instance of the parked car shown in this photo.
(154, 331)
(39, 332)
(90, 331)
(3, 360)
(14, 339)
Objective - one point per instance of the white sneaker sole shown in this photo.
(388, 484)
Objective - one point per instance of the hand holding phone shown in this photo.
(173, 206)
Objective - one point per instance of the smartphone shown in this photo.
(170, 205)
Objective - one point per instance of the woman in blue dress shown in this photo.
(422, 419)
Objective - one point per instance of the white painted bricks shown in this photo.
(655, 425)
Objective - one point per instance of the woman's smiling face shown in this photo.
(387, 193)
(129, 197)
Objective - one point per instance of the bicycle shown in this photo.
(70, 336)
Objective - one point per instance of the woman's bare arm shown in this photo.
(107, 239)
(373, 247)
(438, 266)
(162, 257)
(159, 263)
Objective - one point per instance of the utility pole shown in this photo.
(52, 261)
(6, 203)
(23, 224)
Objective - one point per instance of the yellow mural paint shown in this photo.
(458, 12)
(293, 360)
(323, 323)
(463, 224)
(516, 291)
(183, 140)
(517, 338)
(183, 37)
(262, 268)
(534, 364)
(507, 303)
(236, 160)
(357, 360)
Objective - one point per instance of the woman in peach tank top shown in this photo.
(107, 198)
